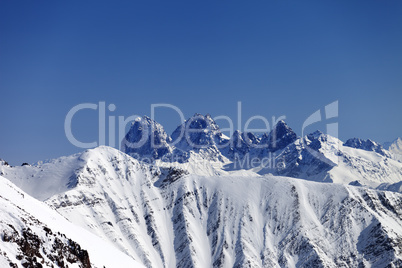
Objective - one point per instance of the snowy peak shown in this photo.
(243, 139)
(250, 138)
(316, 139)
(367, 145)
(65, 173)
(242, 143)
(198, 132)
(394, 146)
(200, 135)
(310, 157)
(279, 137)
(146, 139)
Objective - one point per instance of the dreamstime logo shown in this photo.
(195, 132)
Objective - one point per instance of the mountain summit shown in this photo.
(367, 145)
(198, 132)
(279, 137)
(146, 139)
(394, 146)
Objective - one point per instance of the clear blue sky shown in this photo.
(277, 57)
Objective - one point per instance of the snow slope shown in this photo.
(45, 179)
(31, 233)
(166, 216)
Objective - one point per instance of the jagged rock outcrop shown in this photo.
(146, 139)
(367, 145)
(198, 132)
(279, 137)
(241, 144)
(41, 247)
(307, 157)
(200, 135)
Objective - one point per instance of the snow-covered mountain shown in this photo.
(395, 149)
(367, 145)
(198, 132)
(394, 146)
(241, 145)
(320, 157)
(146, 139)
(316, 156)
(279, 137)
(34, 235)
(164, 216)
(201, 199)
(199, 136)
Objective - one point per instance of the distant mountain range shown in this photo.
(316, 156)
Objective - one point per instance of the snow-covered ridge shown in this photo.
(367, 145)
(316, 156)
(167, 217)
(202, 209)
(34, 235)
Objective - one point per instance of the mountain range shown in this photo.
(198, 198)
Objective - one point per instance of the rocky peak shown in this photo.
(279, 137)
(146, 138)
(243, 140)
(367, 145)
(240, 144)
(198, 132)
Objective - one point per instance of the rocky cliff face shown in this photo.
(38, 248)
(241, 145)
(146, 139)
(198, 132)
(280, 137)
(367, 145)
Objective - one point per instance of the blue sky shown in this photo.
(276, 57)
